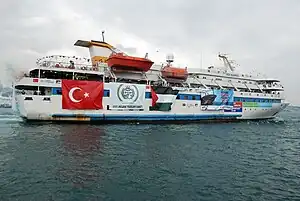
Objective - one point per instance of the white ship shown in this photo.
(111, 86)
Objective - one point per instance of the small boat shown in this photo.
(122, 62)
(174, 72)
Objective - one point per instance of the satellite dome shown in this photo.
(170, 57)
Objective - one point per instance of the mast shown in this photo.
(227, 63)
(103, 36)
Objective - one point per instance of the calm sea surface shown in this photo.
(228, 161)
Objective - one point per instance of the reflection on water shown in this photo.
(82, 140)
(82, 148)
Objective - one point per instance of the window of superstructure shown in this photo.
(107, 93)
(34, 73)
(87, 76)
(49, 74)
(80, 76)
(94, 77)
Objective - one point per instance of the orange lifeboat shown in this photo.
(122, 62)
(174, 73)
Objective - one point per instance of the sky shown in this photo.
(261, 36)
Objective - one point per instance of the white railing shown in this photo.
(222, 73)
(66, 62)
(73, 66)
(274, 86)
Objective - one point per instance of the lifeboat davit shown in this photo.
(122, 62)
(174, 73)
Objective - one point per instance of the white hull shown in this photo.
(263, 113)
(49, 108)
(39, 110)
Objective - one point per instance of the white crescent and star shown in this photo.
(71, 92)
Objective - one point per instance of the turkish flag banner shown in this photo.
(82, 95)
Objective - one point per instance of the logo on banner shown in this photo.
(128, 93)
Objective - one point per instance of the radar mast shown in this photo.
(227, 63)
(170, 58)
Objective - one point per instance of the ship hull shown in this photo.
(126, 117)
(38, 110)
(49, 108)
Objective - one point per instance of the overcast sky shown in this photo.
(261, 35)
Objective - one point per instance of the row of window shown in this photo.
(220, 79)
(52, 74)
(236, 99)
(57, 91)
(257, 100)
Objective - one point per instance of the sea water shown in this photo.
(251, 160)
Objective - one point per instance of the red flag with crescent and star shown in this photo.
(82, 95)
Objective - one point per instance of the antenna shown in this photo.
(103, 36)
(169, 58)
(227, 62)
